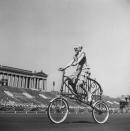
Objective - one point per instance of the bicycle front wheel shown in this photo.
(100, 112)
(58, 110)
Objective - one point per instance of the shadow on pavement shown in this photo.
(80, 122)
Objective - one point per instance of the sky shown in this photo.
(40, 35)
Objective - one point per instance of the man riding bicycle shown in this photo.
(79, 76)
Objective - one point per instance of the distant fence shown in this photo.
(75, 110)
(23, 112)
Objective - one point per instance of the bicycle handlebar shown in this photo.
(61, 69)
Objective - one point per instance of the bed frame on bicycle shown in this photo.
(67, 90)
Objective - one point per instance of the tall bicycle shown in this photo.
(58, 107)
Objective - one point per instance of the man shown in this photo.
(79, 76)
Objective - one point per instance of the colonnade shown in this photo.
(23, 81)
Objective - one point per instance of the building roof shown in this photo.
(41, 73)
(22, 71)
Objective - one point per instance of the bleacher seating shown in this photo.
(12, 98)
(20, 99)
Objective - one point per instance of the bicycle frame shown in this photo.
(72, 93)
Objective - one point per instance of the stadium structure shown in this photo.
(23, 90)
(20, 78)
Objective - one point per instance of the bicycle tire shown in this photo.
(54, 108)
(97, 89)
(100, 108)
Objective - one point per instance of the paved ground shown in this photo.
(74, 122)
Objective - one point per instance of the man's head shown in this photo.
(78, 48)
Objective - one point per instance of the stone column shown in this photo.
(35, 83)
(20, 81)
(38, 83)
(26, 82)
(23, 82)
(10, 80)
(30, 83)
(13, 80)
(30, 86)
(42, 84)
(17, 82)
(7, 79)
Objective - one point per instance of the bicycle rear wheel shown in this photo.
(95, 88)
(100, 112)
(58, 110)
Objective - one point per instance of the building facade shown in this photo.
(20, 78)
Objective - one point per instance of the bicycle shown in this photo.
(58, 107)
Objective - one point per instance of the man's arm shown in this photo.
(69, 64)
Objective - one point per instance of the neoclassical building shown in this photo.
(21, 78)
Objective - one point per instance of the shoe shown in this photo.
(89, 103)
